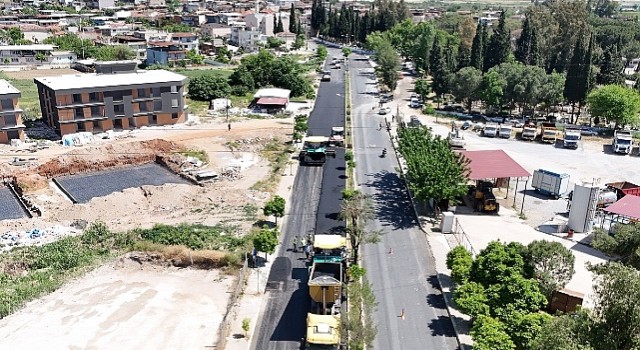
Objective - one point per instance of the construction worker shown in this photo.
(307, 250)
(295, 243)
(303, 242)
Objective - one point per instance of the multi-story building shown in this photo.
(116, 97)
(138, 45)
(36, 55)
(11, 126)
(163, 53)
(186, 41)
(247, 38)
(100, 4)
(215, 30)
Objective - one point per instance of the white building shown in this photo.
(37, 56)
(186, 41)
(247, 38)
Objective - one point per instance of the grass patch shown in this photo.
(29, 100)
(193, 73)
(198, 154)
(277, 153)
(27, 273)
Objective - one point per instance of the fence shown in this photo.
(225, 326)
(461, 237)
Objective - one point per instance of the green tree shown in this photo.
(346, 52)
(476, 59)
(523, 44)
(564, 332)
(242, 81)
(266, 240)
(471, 299)
(438, 68)
(15, 35)
(615, 103)
(611, 68)
(624, 243)
(358, 211)
(293, 19)
(434, 171)
(114, 53)
(274, 43)
(523, 327)
(576, 84)
(491, 89)
(552, 263)
(208, 87)
(496, 262)
(464, 85)
(499, 46)
(275, 207)
(41, 57)
(514, 293)
(490, 334)
(388, 64)
(279, 28)
(616, 311)
(299, 42)
(194, 57)
(459, 261)
(321, 52)
(223, 55)
(552, 88)
(422, 88)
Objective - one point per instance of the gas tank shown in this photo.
(607, 197)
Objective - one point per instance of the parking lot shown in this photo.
(84, 187)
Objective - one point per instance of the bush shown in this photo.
(471, 299)
(490, 334)
(428, 109)
(348, 155)
(459, 261)
(194, 236)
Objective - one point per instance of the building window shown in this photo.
(165, 89)
(78, 113)
(95, 111)
(156, 92)
(77, 98)
(157, 106)
(174, 103)
(174, 115)
(94, 97)
(142, 93)
(143, 107)
(174, 89)
(7, 104)
(118, 109)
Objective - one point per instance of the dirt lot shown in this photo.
(124, 306)
(36, 73)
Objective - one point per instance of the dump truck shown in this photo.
(529, 132)
(571, 138)
(326, 276)
(505, 131)
(549, 132)
(337, 136)
(315, 150)
(485, 200)
(490, 130)
(622, 141)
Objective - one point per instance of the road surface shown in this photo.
(411, 312)
(314, 207)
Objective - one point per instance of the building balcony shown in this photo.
(86, 119)
(12, 127)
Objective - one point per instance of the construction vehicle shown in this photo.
(505, 131)
(549, 132)
(529, 132)
(337, 136)
(315, 150)
(485, 200)
(326, 277)
(455, 139)
(571, 138)
(622, 141)
(490, 130)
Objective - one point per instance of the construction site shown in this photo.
(199, 174)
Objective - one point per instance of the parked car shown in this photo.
(589, 132)
(326, 77)
(384, 110)
(386, 97)
(480, 119)
(415, 103)
(466, 125)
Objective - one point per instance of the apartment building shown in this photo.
(115, 97)
(36, 55)
(11, 127)
(247, 38)
(164, 53)
(186, 41)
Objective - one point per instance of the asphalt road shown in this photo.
(401, 267)
(314, 207)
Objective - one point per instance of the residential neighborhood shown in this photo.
(291, 174)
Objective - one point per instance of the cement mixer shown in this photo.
(606, 197)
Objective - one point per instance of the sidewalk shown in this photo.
(251, 301)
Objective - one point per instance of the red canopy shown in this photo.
(493, 164)
(274, 101)
(628, 206)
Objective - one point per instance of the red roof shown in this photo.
(493, 164)
(276, 101)
(628, 206)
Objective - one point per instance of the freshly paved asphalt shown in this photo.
(401, 267)
(314, 207)
(9, 206)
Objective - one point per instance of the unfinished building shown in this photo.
(11, 127)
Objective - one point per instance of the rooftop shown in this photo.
(92, 80)
(34, 47)
(183, 35)
(7, 88)
(493, 164)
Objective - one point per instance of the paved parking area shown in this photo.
(84, 187)
(9, 206)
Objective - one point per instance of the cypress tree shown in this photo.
(574, 84)
(464, 56)
(535, 58)
(477, 48)
(275, 24)
(499, 45)
(611, 67)
(438, 67)
(524, 43)
(280, 28)
(292, 20)
(450, 56)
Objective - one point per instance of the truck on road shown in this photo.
(505, 131)
(549, 132)
(315, 150)
(622, 141)
(571, 138)
(490, 130)
(337, 136)
(529, 132)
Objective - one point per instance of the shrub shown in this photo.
(348, 155)
(471, 299)
(459, 261)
